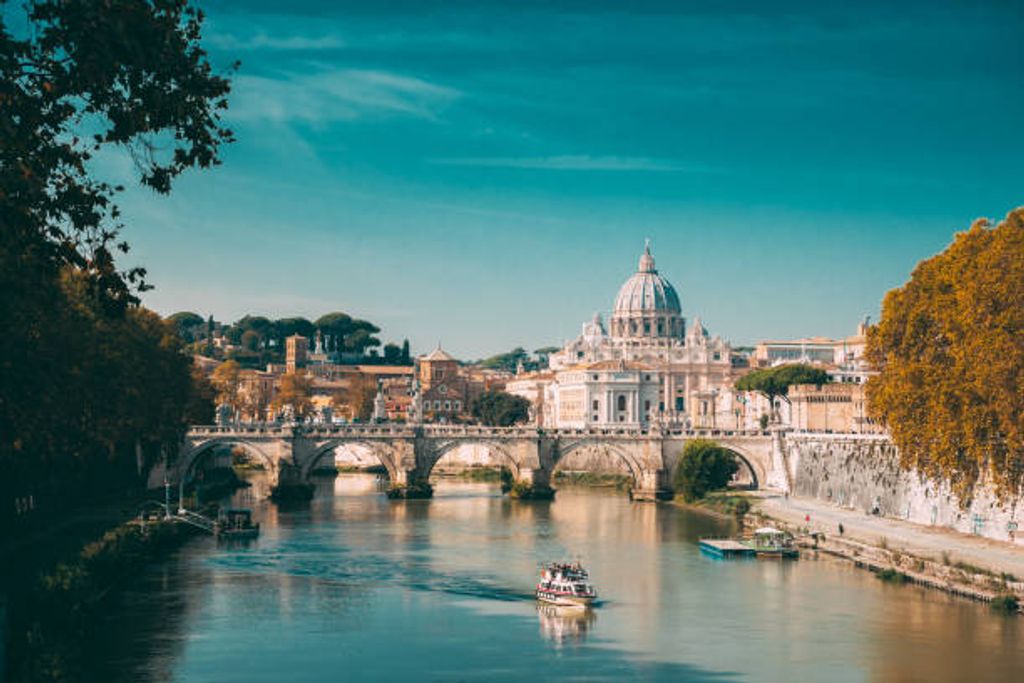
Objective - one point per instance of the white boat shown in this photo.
(565, 584)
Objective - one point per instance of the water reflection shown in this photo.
(340, 583)
(562, 625)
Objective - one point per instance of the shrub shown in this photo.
(892, 576)
(704, 466)
(1006, 603)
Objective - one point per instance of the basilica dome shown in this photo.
(647, 304)
(646, 291)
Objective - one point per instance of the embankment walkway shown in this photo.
(907, 537)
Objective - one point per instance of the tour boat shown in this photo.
(565, 584)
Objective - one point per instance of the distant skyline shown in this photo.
(485, 174)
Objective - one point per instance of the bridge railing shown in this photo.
(405, 430)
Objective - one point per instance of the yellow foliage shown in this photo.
(950, 348)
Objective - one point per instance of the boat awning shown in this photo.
(769, 531)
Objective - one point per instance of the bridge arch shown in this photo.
(199, 451)
(376, 448)
(566, 448)
(494, 447)
(755, 478)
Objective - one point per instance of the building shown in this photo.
(445, 391)
(814, 350)
(296, 348)
(837, 407)
(647, 361)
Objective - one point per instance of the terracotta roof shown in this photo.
(439, 354)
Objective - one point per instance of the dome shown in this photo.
(646, 291)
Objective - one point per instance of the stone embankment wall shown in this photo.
(860, 472)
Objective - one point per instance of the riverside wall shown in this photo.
(861, 471)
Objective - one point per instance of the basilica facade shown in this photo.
(645, 366)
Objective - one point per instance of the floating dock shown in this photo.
(726, 547)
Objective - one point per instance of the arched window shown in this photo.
(622, 402)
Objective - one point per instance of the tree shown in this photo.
(225, 380)
(84, 77)
(406, 358)
(295, 391)
(185, 322)
(500, 409)
(775, 382)
(392, 354)
(950, 353)
(543, 354)
(201, 406)
(704, 466)
(251, 340)
(507, 361)
(347, 333)
(88, 379)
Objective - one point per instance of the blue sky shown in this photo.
(485, 174)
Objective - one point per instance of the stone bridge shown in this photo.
(291, 452)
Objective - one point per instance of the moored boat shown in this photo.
(565, 584)
(770, 542)
(236, 524)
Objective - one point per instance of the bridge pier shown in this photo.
(533, 484)
(409, 484)
(651, 486)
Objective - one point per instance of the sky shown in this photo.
(484, 175)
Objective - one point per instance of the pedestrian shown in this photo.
(840, 528)
(807, 518)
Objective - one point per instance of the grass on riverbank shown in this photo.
(724, 503)
(620, 482)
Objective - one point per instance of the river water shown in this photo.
(357, 587)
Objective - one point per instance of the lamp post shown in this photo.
(167, 499)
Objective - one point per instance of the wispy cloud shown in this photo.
(580, 162)
(263, 40)
(336, 94)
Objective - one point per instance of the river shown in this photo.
(357, 587)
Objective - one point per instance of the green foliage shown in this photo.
(84, 374)
(347, 334)
(775, 382)
(510, 361)
(951, 362)
(185, 322)
(892, 576)
(500, 409)
(1005, 603)
(704, 466)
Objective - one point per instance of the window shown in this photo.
(594, 377)
(661, 406)
(661, 328)
(579, 354)
(647, 378)
(439, 373)
(680, 404)
(458, 405)
(718, 356)
(647, 406)
(595, 404)
(647, 327)
(622, 418)
(447, 405)
(595, 418)
(437, 405)
(622, 402)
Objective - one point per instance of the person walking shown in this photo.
(840, 528)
